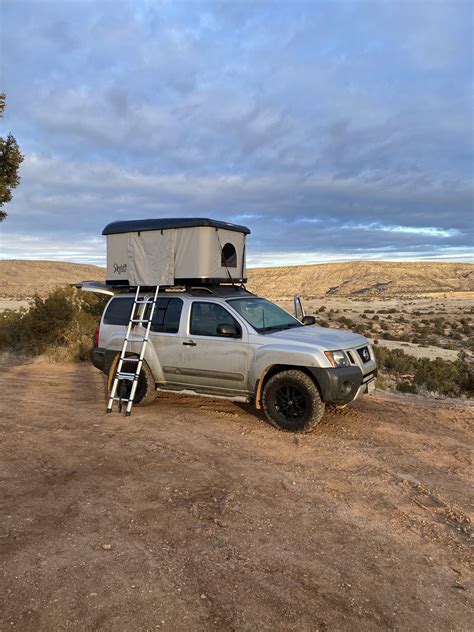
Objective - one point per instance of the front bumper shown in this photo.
(341, 385)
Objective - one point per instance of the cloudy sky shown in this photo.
(335, 130)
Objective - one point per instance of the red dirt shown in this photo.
(194, 514)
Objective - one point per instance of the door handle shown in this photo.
(190, 343)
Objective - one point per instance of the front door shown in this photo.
(210, 360)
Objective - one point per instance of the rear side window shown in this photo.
(118, 311)
(167, 315)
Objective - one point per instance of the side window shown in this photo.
(118, 311)
(167, 315)
(229, 256)
(206, 317)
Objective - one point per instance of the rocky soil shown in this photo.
(194, 514)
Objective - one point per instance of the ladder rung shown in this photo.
(140, 320)
(120, 399)
(148, 302)
(131, 359)
(126, 376)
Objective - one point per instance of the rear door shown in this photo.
(165, 336)
(210, 360)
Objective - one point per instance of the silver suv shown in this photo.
(224, 341)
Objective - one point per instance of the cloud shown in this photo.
(337, 130)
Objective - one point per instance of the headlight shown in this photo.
(337, 358)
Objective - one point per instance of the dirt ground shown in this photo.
(193, 514)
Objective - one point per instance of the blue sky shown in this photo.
(335, 130)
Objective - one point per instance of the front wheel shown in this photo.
(291, 401)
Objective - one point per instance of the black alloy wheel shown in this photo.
(292, 402)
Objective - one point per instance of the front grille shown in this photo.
(351, 357)
(364, 354)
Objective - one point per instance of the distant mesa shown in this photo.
(21, 279)
(364, 279)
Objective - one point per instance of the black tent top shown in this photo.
(139, 225)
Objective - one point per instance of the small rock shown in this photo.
(203, 596)
(107, 547)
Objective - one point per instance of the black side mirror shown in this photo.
(227, 330)
(309, 320)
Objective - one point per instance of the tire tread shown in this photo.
(307, 383)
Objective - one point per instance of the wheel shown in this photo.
(146, 391)
(291, 401)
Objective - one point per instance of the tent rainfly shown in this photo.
(169, 252)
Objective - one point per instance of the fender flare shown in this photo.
(282, 367)
(259, 388)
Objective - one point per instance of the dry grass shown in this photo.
(20, 279)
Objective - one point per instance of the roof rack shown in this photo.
(204, 289)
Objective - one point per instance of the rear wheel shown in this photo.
(146, 391)
(291, 401)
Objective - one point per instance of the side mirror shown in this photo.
(309, 320)
(298, 307)
(229, 331)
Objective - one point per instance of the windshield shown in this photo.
(264, 316)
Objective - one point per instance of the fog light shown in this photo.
(345, 387)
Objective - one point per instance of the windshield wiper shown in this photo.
(279, 327)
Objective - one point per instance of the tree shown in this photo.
(10, 160)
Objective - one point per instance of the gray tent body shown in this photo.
(169, 252)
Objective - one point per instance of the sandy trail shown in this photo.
(215, 521)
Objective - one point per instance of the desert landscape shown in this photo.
(20, 279)
(319, 153)
(426, 309)
(196, 514)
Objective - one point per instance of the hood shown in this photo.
(330, 339)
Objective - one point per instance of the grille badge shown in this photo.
(364, 354)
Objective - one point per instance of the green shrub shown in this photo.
(406, 387)
(61, 324)
(452, 378)
(343, 320)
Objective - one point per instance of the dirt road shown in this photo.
(195, 515)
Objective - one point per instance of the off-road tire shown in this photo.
(292, 402)
(146, 390)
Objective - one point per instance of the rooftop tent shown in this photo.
(169, 252)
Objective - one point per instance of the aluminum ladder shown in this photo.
(124, 376)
